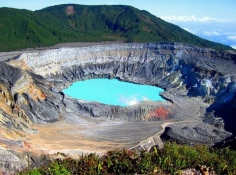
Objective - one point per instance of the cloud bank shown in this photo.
(193, 18)
(233, 46)
(220, 30)
(232, 37)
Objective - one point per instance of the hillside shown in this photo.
(79, 23)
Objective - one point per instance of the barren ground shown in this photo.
(73, 136)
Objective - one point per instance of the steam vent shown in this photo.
(37, 118)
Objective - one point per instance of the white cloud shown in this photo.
(189, 30)
(232, 37)
(211, 33)
(192, 18)
(230, 33)
(234, 46)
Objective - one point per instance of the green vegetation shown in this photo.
(172, 159)
(23, 28)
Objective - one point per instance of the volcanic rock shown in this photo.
(199, 85)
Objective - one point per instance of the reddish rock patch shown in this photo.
(158, 113)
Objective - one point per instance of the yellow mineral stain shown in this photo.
(35, 93)
(20, 64)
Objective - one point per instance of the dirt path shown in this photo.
(147, 144)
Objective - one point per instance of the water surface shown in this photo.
(113, 92)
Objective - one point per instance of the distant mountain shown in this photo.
(79, 23)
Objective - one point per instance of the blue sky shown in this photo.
(210, 19)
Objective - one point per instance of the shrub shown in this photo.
(170, 160)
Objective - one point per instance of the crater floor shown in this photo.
(92, 136)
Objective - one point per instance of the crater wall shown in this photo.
(205, 77)
(199, 85)
(203, 73)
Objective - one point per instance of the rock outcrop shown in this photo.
(199, 84)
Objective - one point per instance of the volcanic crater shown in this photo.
(36, 116)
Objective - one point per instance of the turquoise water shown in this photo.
(113, 92)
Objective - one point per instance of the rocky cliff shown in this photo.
(182, 70)
(199, 88)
